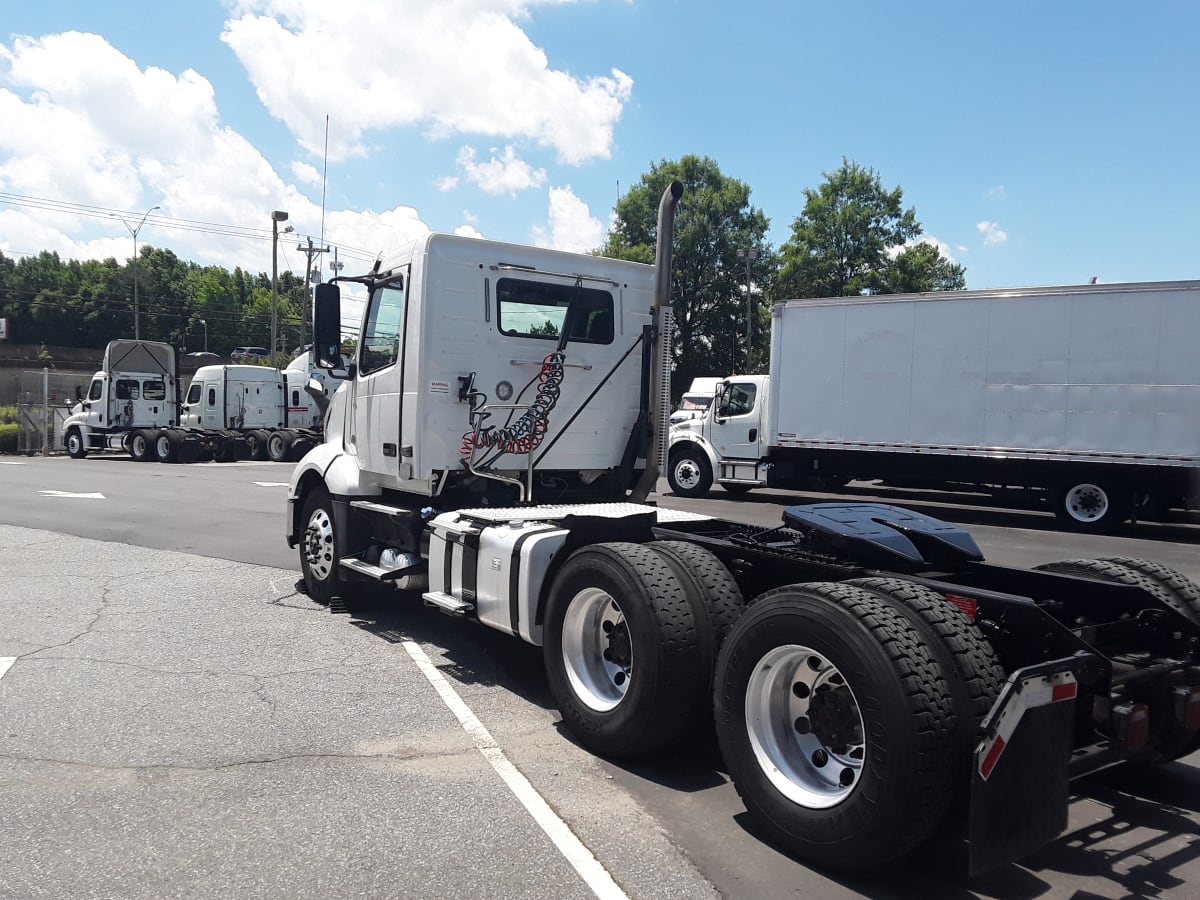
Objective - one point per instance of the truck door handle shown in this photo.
(389, 449)
(753, 435)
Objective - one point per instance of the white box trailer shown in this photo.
(1090, 392)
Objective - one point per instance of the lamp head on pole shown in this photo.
(279, 216)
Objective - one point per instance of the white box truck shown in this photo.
(1090, 393)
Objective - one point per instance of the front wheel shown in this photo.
(76, 448)
(621, 657)
(837, 724)
(318, 549)
(690, 474)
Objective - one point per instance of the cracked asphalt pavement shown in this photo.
(179, 726)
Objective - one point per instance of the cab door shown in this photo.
(737, 421)
(379, 387)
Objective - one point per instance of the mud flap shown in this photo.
(1019, 774)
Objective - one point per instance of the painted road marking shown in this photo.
(578, 855)
(271, 483)
(5, 663)
(5, 462)
(94, 496)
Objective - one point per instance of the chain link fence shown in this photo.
(44, 400)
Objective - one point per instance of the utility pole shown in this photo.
(137, 330)
(309, 251)
(276, 217)
(748, 255)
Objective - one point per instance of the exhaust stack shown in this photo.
(661, 362)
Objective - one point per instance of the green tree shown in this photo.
(855, 237)
(708, 284)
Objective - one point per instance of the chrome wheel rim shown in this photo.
(1087, 503)
(805, 727)
(139, 445)
(597, 650)
(687, 473)
(164, 446)
(318, 544)
(73, 443)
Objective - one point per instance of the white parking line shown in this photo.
(578, 855)
(271, 483)
(5, 663)
(96, 495)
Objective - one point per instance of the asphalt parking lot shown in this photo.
(178, 721)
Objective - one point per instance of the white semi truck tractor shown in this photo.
(873, 679)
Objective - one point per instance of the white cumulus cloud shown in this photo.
(571, 224)
(506, 174)
(86, 127)
(992, 233)
(451, 67)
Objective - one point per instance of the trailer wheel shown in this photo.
(972, 669)
(689, 473)
(318, 549)
(621, 655)
(714, 595)
(256, 445)
(166, 446)
(837, 725)
(76, 447)
(1106, 570)
(141, 445)
(279, 446)
(1175, 583)
(1097, 505)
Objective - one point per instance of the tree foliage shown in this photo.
(708, 283)
(71, 303)
(855, 237)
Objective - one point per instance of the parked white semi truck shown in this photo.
(1089, 393)
(873, 679)
(133, 405)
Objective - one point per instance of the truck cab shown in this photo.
(726, 443)
(478, 361)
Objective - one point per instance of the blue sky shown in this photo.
(1040, 143)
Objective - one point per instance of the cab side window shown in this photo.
(193, 394)
(128, 389)
(154, 390)
(385, 320)
(97, 389)
(738, 400)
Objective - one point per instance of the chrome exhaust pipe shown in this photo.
(661, 362)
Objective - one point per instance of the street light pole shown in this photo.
(276, 217)
(137, 331)
(748, 255)
(205, 324)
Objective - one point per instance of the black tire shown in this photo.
(1175, 583)
(689, 473)
(738, 489)
(256, 445)
(141, 445)
(166, 446)
(890, 785)
(1092, 504)
(226, 450)
(714, 595)
(76, 446)
(279, 446)
(1103, 570)
(969, 662)
(627, 676)
(318, 549)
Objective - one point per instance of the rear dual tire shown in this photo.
(838, 725)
